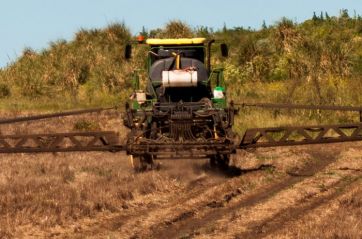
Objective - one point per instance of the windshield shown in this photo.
(161, 52)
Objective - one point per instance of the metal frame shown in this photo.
(180, 117)
(284, 136)
(181, 149)
(60, 142)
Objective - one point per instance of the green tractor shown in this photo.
(183, 112)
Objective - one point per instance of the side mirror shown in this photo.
(224, 50)
(128, 52)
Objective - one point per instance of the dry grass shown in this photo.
(338, 218)
(345, 220)
(82, 194)
(342, 216)
(46, 190)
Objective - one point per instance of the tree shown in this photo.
(264, 26)
(224, 28)
(344, 14)
(321, 16)
(315, 18)
(203, 31)
(177, 29)
(144, 32)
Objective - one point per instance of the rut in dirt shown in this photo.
(188, 225)
(272, 225)
(197, 176)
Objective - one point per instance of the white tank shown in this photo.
(218, 92)
(141, 97)
(179, 78)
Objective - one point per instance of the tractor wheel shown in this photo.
(224, 161)
(154, 130)
(220, 161)
(137, 163)
(213, 161)
(141, 163)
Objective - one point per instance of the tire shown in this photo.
(141, 163)
(138, 164)
(220, 161)
(213, 162)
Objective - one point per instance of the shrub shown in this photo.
(4, 91)
(86, 125)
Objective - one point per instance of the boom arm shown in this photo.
(60, 142)
(108, 140)
(52, 115)
(284, 136)
(305, 107)
(253, 138)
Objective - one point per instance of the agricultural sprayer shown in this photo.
(183, 112)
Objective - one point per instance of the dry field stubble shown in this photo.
(291, 192)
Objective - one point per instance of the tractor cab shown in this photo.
(177, 70)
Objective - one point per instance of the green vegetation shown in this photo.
(318, 61)
(89, 70)
(86, 125)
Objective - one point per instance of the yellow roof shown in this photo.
(176, 41)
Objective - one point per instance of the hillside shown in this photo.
(319, 61)
(88, 70)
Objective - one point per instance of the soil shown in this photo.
(288, 192)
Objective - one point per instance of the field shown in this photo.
(287, 192)
(290, 192)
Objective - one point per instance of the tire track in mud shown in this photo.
(174, 210)
(192, 189)
(276, 223)
(189, 225)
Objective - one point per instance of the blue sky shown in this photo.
(35, 23)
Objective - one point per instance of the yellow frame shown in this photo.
(178, 41)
